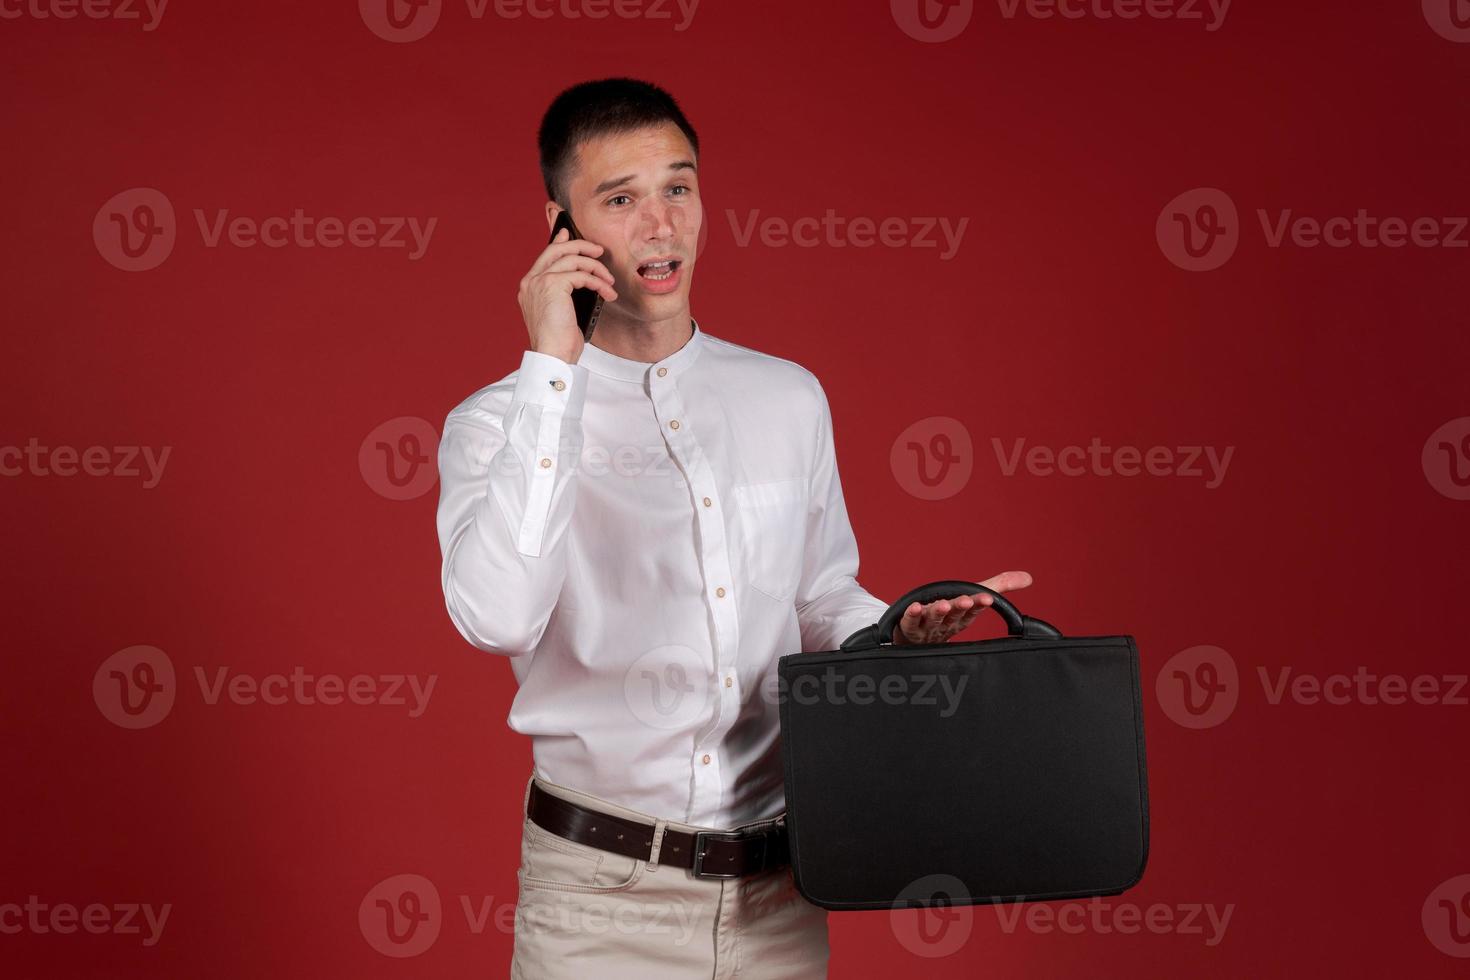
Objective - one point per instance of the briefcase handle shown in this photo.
(881, 633)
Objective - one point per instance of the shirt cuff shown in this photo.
(547, 380)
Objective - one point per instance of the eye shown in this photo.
(679, 190)
(618, 197)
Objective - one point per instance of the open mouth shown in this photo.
(659, 270)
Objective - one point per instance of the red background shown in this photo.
(1325, 549)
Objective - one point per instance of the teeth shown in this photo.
(652, 270)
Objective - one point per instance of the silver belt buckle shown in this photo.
(733, 837)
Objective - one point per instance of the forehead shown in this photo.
(635, 152)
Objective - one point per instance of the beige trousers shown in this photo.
(588, 913)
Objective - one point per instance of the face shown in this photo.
(637, 195)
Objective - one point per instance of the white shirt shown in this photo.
(643, 541)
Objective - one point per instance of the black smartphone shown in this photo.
(587, 302)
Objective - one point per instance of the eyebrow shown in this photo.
(608, 185)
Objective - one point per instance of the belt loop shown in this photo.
(658, 843)
(526, 800)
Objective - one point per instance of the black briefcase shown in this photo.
(1003, 770)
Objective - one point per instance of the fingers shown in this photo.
(1008, 581)
(572, 261)
(562, 246)
(586, 280)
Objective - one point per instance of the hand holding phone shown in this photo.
(562, 294)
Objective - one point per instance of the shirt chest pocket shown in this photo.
(772, 534)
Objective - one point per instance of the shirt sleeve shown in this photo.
(507, 488)
(830, 604)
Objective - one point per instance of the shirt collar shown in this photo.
(599, 361)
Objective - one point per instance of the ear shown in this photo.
(552, 210)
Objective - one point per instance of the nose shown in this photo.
(659, 221)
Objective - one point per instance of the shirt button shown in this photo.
(662, 372)
(545, 463)
(707, 502)
(559, 384)
(729, 682)
(674, 424)
(720, 592)
(705, 760)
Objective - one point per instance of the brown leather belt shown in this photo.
(707, 853)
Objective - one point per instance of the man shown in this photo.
(643, 524)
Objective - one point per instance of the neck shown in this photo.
(642, 340)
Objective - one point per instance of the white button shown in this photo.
(674, 424)
(559, 384)
(705, 760)
(545, 463)
(662, 372)
(729, 682)
(707, 502)
(720, 592)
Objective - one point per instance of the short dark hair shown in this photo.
(608, 105)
